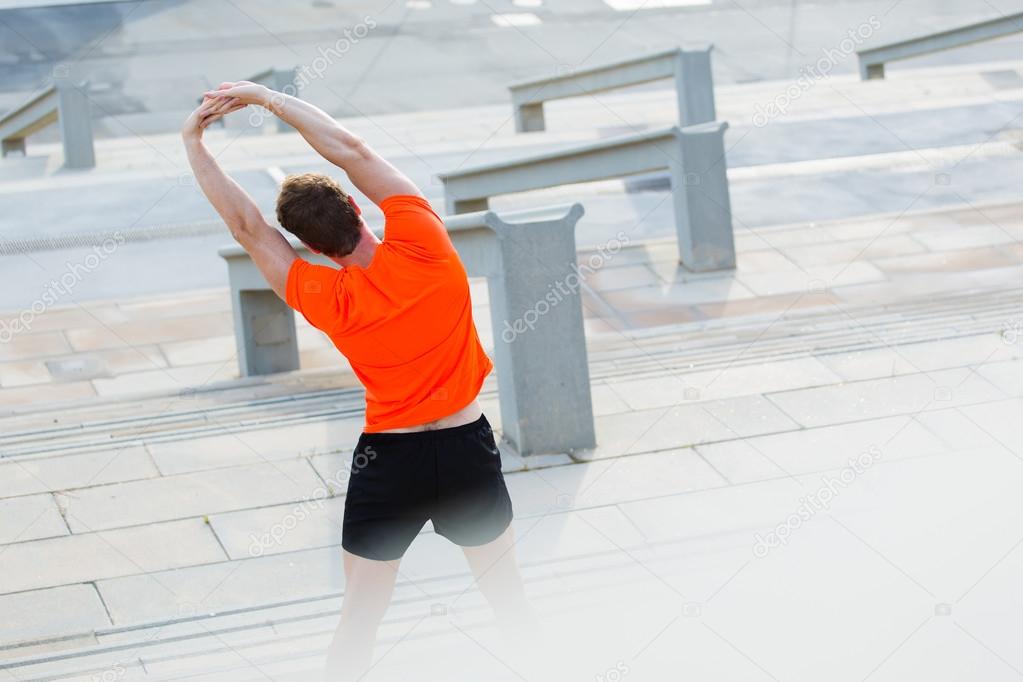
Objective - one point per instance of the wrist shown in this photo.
(273, 101)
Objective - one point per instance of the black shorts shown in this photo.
(400, 480)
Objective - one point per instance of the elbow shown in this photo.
(245, 230)
(352, 147)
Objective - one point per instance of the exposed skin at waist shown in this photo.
(466, 415)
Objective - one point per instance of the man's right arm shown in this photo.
(368, 171)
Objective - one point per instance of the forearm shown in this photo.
(328, 137)
(235, 206)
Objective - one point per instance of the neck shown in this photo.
(362, 256)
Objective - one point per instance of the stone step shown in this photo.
(848, 330)
(296, 635)
(681, 349)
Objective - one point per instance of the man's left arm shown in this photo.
(269, 249)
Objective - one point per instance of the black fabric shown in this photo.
(398, 481)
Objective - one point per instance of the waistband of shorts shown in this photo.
(430, 434)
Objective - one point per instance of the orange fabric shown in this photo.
(404, 323)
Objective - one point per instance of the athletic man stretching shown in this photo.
(399, 310)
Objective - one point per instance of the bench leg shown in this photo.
(16, 145)
(529, 118)
(694, 87)
(264, 332)
(75, 127)
(703, 209)
(540, 344)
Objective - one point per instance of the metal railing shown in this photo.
(694, 157)
(543, 375)
(694, 85)
(873, 59)
(65, 103)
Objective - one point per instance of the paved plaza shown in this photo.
(807, 468)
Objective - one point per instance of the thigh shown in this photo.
(367, 578)
(387, 504)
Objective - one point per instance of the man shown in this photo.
(399, 310)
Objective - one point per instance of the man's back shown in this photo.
(404, 322)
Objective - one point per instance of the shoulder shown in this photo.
(407, 206)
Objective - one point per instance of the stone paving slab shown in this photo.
(28, 518)
(727, 383)
(222, 586)
(253, 446)
(821, 448)
(903, 395)
(174, 497)
(279, 529)
(87, 557)
(49, 474)
(50, 613)
(669, 427)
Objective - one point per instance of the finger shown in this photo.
(225, 105)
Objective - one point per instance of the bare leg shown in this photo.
(498, 578)
(368, 588)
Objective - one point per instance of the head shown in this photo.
(314, 208)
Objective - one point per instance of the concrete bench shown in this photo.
(63, 102)
(694, 85)
(281, 80)
(539, 347)
(873, 59)
(694, 156)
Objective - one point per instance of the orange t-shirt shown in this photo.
(404, 323)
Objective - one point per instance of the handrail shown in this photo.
(872, 60)
(62, 102)
(540, 355)
(694, 156)
(694, 85)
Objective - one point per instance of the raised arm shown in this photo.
(270, 251)
(368, 171)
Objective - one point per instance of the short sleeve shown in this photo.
(411, 223)
(316, 292)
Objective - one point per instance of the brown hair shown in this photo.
(314, 208)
